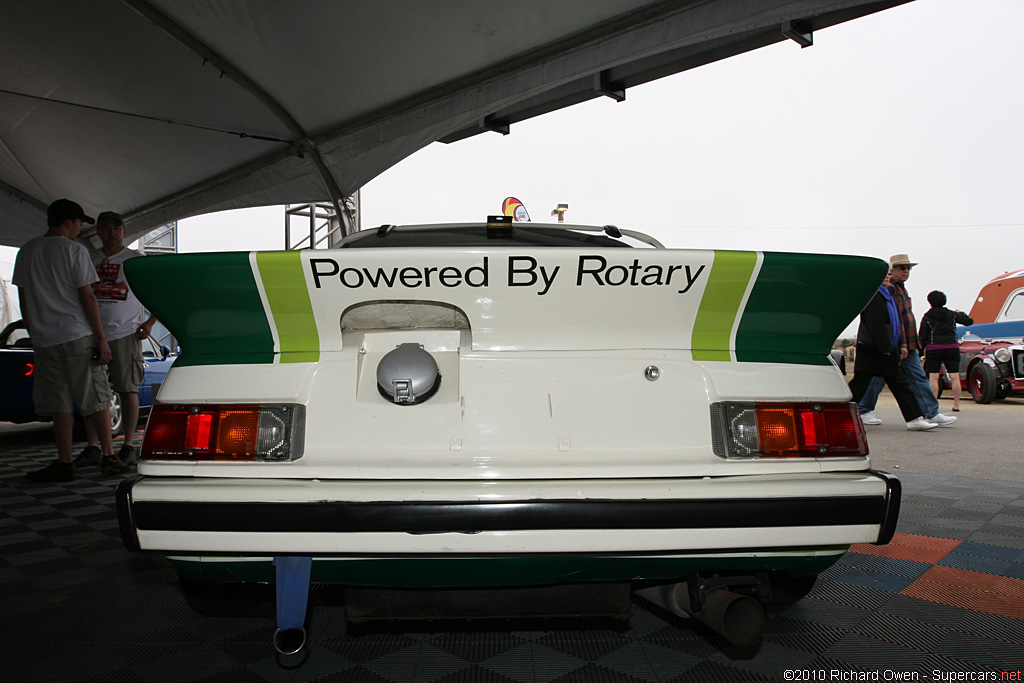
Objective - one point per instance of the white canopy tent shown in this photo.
(163, 109)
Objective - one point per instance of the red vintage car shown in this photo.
(992, 349)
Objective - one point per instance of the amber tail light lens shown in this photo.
(787, 430)
(230, 433)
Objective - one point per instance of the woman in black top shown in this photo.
(941, 347)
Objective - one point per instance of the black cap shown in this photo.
(63, 210)
(109, 217)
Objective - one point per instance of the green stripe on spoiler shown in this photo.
(723, 296)
(800, 303)
(285, 288)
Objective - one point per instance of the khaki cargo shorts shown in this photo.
(66, 375)
(126, 365)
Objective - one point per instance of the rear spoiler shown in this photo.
(280, 307)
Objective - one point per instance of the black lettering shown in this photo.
(450, 277)
(690, 280)
(344, 278)
(632, 272)
(477, 269)
(668, 275)
(426, 274)
(595, 272)
(530, 272)
(317, 274)
(410, 277)
(617, 281)
(652, 275)
(547, 280)
(382, 276)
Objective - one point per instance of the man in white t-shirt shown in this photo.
(54, 275)
(122, 322)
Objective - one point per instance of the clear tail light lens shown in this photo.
(231, 433)
(787, 430)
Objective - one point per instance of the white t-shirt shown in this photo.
(49, 271)
(120, 310)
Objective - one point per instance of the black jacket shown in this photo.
(876, 354)
(938, 326)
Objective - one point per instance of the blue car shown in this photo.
(17, 367)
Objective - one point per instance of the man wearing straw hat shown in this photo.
(899, 266)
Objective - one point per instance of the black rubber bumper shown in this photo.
(893, 495)
(419, 517)
(125, 520)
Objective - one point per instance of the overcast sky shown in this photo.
(902, 132)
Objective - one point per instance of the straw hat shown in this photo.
(900, 260)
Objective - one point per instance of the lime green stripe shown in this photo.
(723, 295)
(285, 287)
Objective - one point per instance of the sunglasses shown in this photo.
(902, 267)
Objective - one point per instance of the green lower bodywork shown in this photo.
(511, 571)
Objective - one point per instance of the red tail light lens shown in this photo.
(787, 430)
(232, 433)
(27, 369)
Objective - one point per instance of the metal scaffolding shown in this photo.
(318, 226)
(163, 240)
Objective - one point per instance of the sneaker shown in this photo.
(55, 471)
(919, 424)
(942, 420)
(869, 419)
(111, 465)
(90, 455)
(128, 455)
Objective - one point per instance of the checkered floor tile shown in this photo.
(946, 596)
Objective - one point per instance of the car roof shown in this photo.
(506, 234)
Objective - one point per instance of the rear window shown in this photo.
(482, 236)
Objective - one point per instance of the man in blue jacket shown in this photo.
(910, 353)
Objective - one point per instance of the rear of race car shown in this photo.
(509, 417)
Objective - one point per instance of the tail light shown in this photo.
(231, 433)
(27, 369)
(787, 430)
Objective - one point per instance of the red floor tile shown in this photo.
(910, 547)
(976, 591)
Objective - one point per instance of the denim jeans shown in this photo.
(918, 384)
(869, 401)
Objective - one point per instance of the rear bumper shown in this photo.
(351, 518)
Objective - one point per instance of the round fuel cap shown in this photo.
(408, 374)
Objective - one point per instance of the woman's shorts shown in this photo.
(934, 359)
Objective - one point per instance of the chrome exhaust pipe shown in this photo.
(740, 619)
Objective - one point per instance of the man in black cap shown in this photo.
(54, 275)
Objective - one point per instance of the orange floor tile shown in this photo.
(910, 547)
(970, 590)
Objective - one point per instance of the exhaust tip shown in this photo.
(740, 619)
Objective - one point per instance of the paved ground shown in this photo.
(986, 441)
(944, 601)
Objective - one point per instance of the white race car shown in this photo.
(430, 413)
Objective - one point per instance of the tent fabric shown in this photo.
(163, 109)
